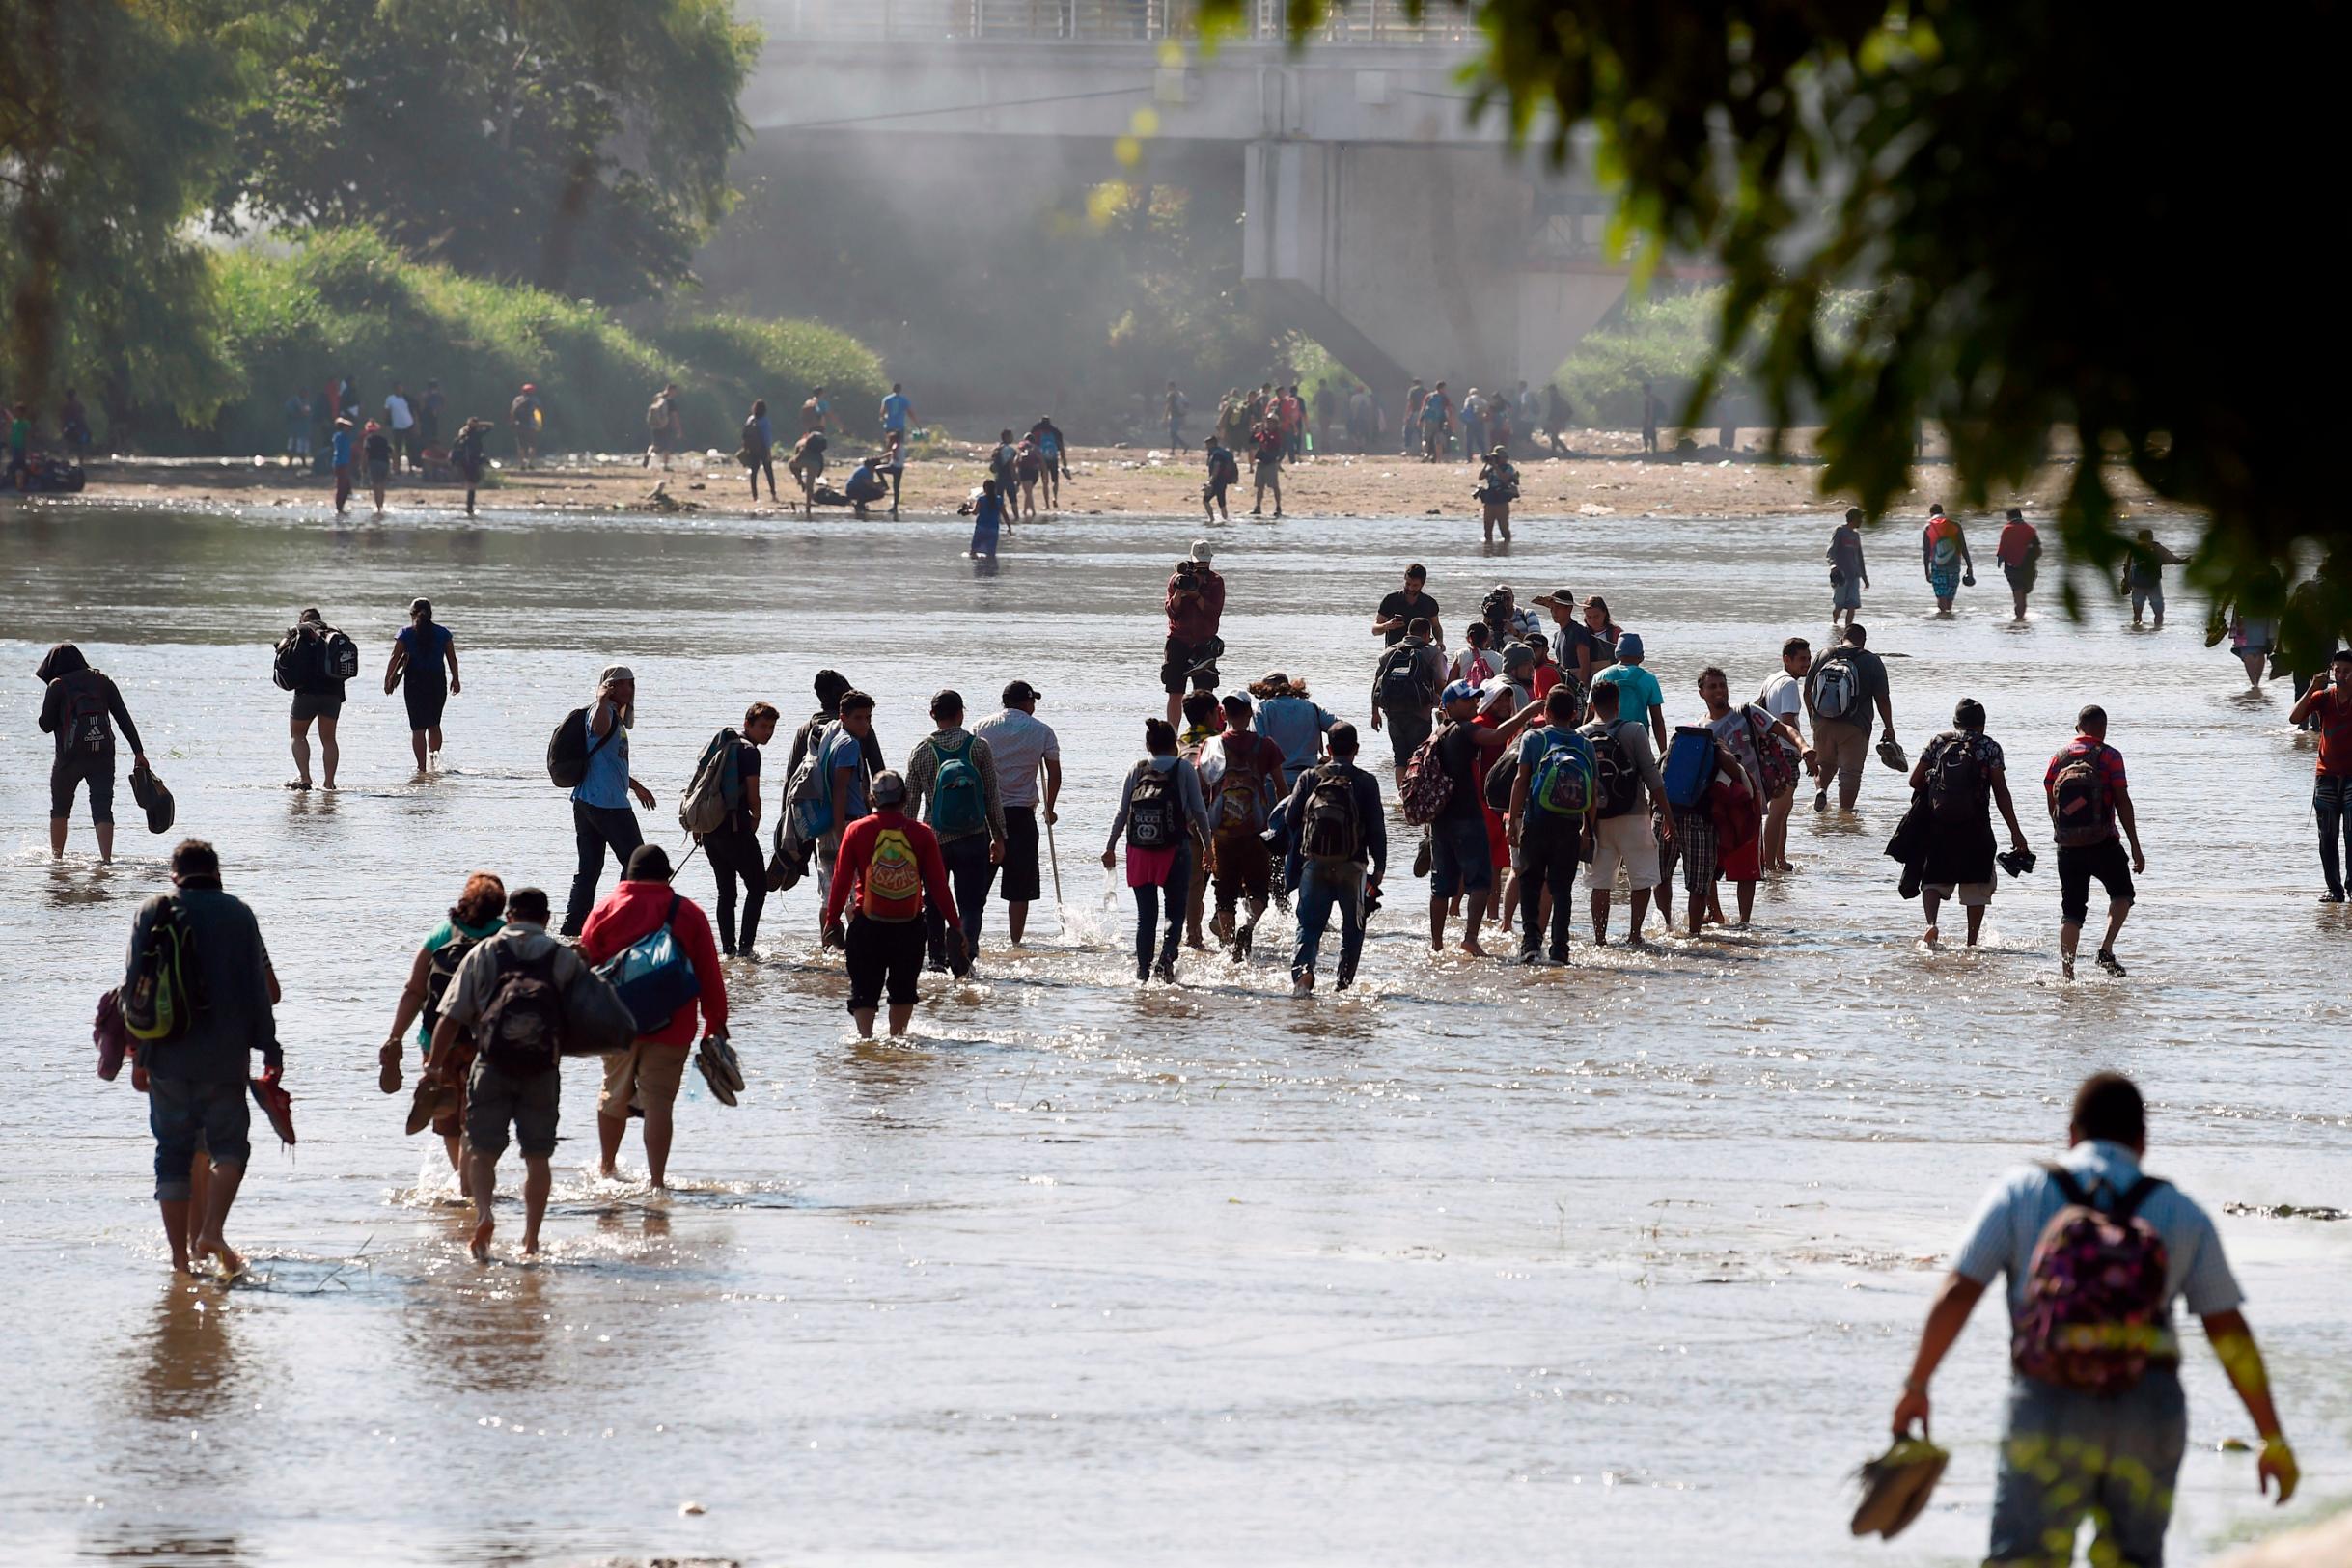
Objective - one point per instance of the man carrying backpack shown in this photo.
(950, 778)
(506, 1004)
(1406, 687)
(1552, 802)
(81, 706)
(201, 950)
(2096, 1252)
(1337, 838)
(1959, 776)
(2087, 796)
(1625, 767)
(891, 870)
(1224, 473)
(1241, 777)
(645, 1077)
(307, 666)
(1844, 685)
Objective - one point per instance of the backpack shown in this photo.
(291, 660)
(654, 976)
(959, 800)
(809, 793)
(1480, 667)
(570, 747)
(1237, 796)
(1956, 781)
(1690, 765)
(160, 1001)
(2080, 811)
(754, 449)
(339, 657)
(1500, 778)
(1426, 785)
(1780, 769)
(442, 969)
(715, 788)
(1223, 469)
(891, 888)
(1837, 688)
(1403, 682)
(1616, 781)
(520, 1032)
(1152, 808)
(1330, 829)
(1566, 780)
(2095, 1307)
(656, 417)
(85, 728)
(149, 794)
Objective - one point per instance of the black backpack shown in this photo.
(1152, 808)
(1331, 829)
(293, 660)
(339, 655)
(85, 728)
(520, 1032)
(440, 971)
(1956, 781)
(1403, 683)
(1620, 782)
(570, 748)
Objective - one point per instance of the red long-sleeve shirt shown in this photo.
(857, 853)
(634, 910)
(1196, 618)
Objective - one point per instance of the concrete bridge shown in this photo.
(1379, 216)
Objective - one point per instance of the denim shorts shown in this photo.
(1458, 856)
(186, 1116)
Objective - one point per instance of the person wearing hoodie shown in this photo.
(81, 707)
(1165, 825)
(648, 1074)
(891, 866)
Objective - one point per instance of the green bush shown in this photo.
(344, 302)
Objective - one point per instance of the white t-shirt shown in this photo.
(1784, 697)
(396, 409)
(1479, 664)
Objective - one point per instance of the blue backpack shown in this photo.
(654, 976)
(1690, 765)
(1565, 780)
(960, 804)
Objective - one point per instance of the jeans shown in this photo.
(2331, 800)
(1323, 886)
(596, 828)
(2068, 1456)
(1148, 900)
(184, 1115)
(969, 875)
(1549, 856)
(735, 857)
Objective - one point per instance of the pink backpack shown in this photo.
(2094, 1309)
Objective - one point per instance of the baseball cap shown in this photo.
(1629, 647)
(1460, 691)
(889, 788)
(1202, 552)
(1020, 691)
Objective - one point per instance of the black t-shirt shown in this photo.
(380, 448)
(1403, 606)
(747, 769)
(1458, 750)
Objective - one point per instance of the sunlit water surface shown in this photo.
(1614, 1265)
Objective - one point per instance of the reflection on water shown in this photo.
(1475, 1258)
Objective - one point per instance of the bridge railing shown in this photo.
(1090, 21)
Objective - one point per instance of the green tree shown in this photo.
(580, 145)
(113, 128)
(2055, 210)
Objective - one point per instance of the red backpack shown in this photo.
(1426, 785)
(2094, 1306)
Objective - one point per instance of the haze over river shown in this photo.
(1620, 1264)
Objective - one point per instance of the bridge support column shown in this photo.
(1408, 261)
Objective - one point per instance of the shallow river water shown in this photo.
(1616, 1264)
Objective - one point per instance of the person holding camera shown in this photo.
(1196, 605)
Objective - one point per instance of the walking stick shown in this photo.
(1051, 853)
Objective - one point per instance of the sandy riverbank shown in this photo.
(1606, 477)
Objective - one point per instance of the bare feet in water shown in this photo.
(480, 1245)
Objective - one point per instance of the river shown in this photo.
(1620, 1264)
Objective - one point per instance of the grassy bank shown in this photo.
(344, 303)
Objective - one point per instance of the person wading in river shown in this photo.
(421, 654)
(81, 706)
(1961, 776)
(891, 870)
(2087, 797)
(2096, 1422)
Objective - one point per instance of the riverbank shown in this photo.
(1607, 476)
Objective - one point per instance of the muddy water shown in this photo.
(1614, 1265)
